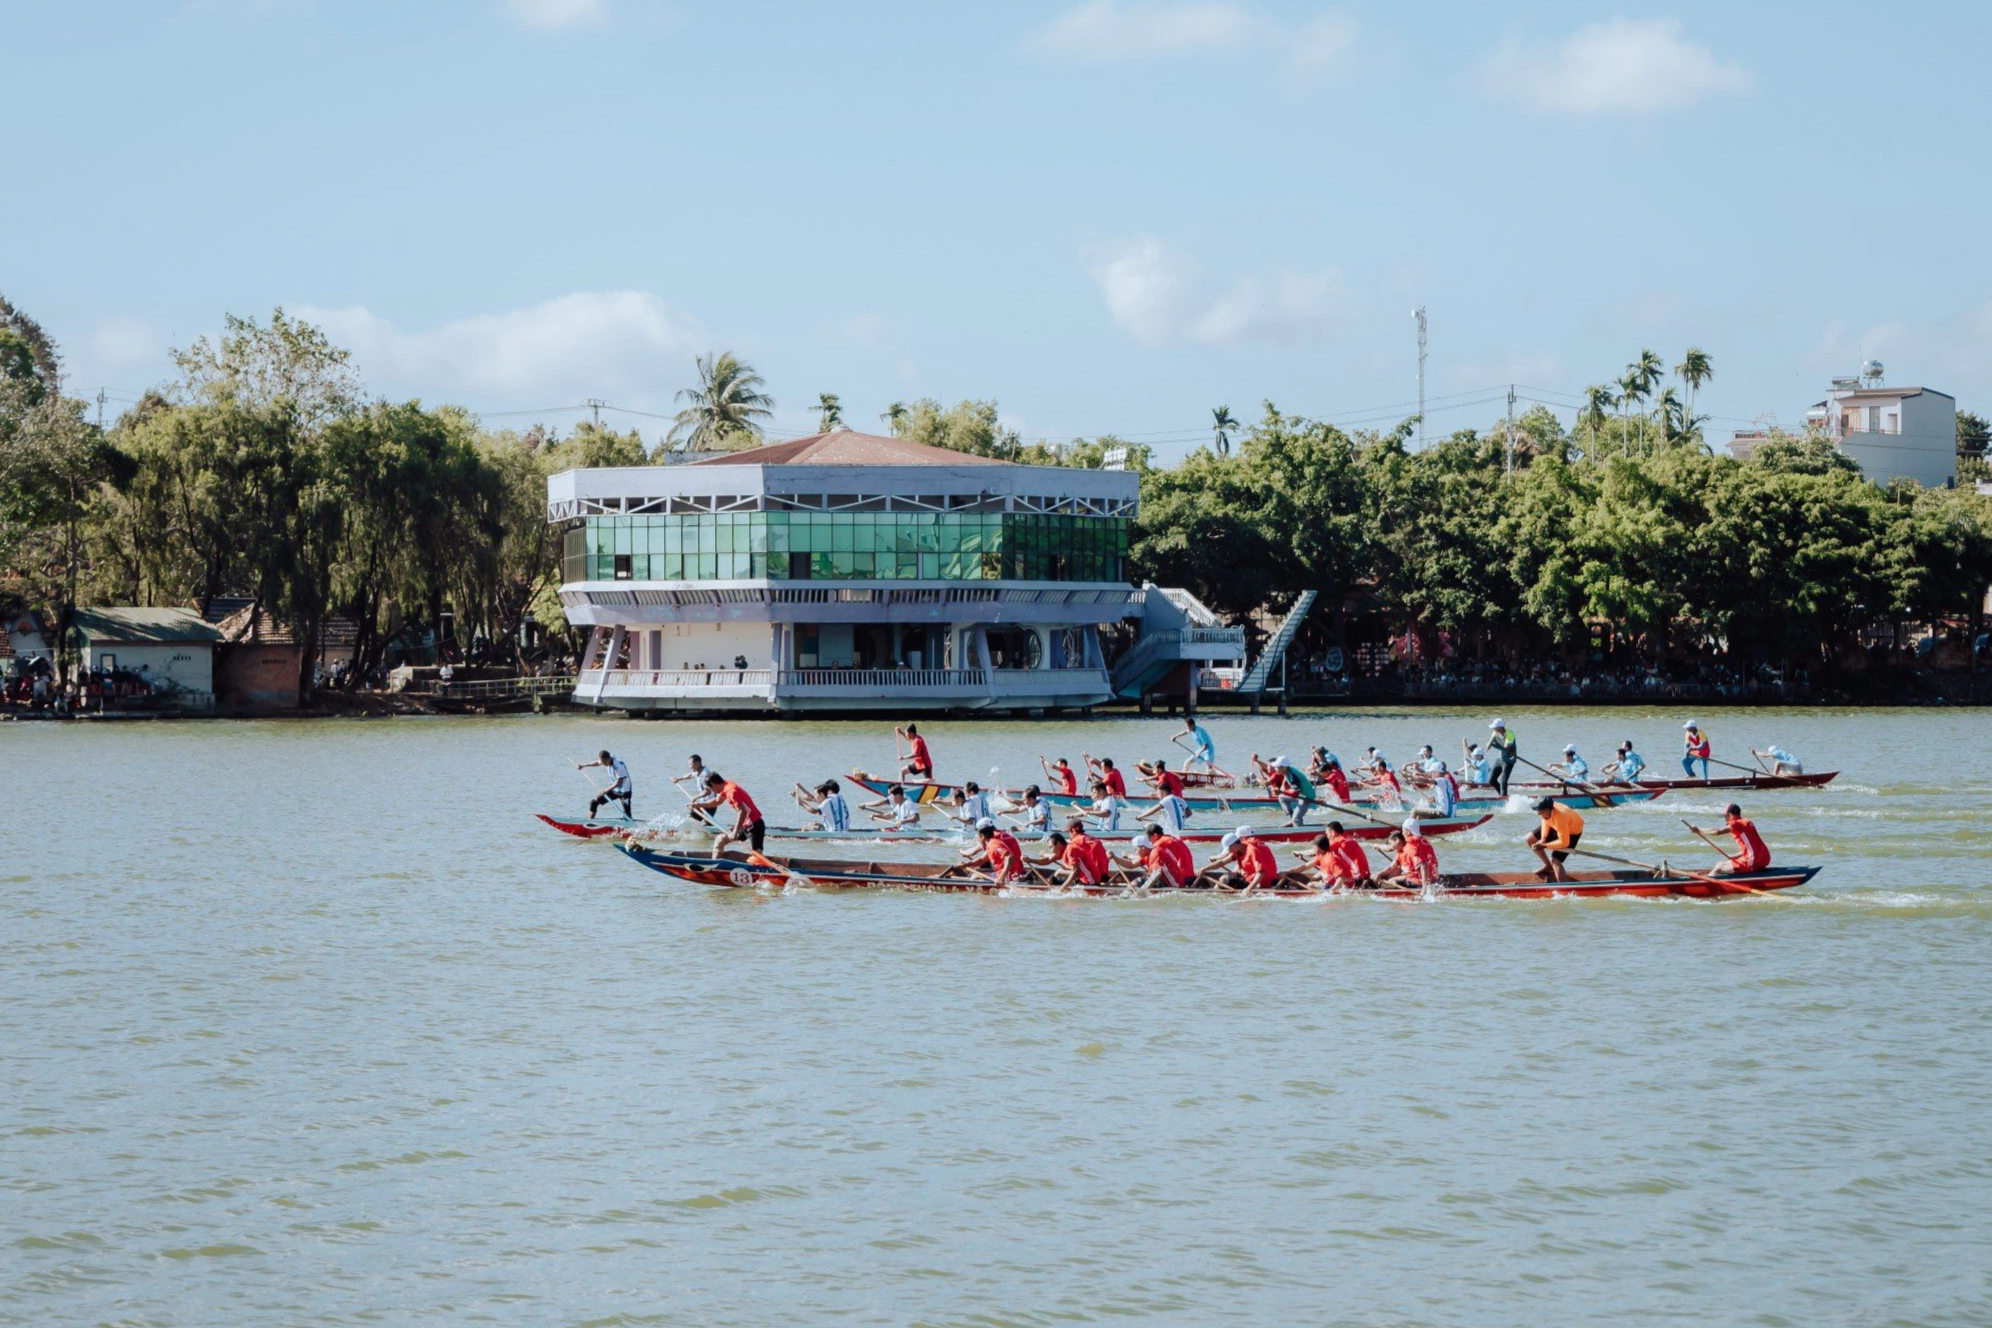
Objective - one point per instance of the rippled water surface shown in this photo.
(311, 1023)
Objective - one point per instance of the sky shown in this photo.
(1106, 215)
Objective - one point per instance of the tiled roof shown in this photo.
(249, 625)
(223, 607)
(847, 447)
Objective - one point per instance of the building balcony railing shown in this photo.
(775, 686)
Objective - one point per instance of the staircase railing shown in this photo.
(1276, 646)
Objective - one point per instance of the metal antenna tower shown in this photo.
(1419, 314)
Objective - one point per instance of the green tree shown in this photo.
(966, 426)
(724, 412)
(1973, 435)
(829, 412)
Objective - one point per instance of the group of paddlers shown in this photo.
(1074, 855)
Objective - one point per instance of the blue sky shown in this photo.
(1109, 215)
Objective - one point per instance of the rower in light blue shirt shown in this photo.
(1203, 750)
(1784, 762)
(1629, 766)
(1474, 768)
(1572, 767)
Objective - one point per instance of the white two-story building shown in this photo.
(850, 571)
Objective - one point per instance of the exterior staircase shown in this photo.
(1276, 645)
(1176, 629)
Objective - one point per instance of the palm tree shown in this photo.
(1672, 417)
(1631, 393)
(895, 416)
(1650, 370)
(727, 405)
(1696, 367)
(829, 412)
(1221, 425)
(1597, 400)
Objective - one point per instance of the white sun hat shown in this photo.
(1230, 840)
(1242, 832)
(986, 823)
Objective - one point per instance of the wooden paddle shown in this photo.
(1604, 799)
(1746, 769)
(1722, 882)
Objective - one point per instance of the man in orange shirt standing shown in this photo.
(1553, 839)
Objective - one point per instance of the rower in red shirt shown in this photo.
(1248, 859)
(1069, 869)
(1413, 860)
(1337, 781)
(919, 762)
(1061, 773)
(1752, 854)
(1166, 782)
(1002, 856)
(1084, 848)
(1338, 859)
(1103, 770)
(1165, 861)
(749, 827)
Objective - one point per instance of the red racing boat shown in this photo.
(761, 872)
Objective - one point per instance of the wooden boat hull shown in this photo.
(774, 873)
(1233, 803)
(1824, 777)
(615, 827)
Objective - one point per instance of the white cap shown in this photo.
(1228, 841)
(1692, 724)
(986, 823)
(1498, 724)
(1411, 825)
(1442, 767)
(1242, 832)
(1279, 761)
(1570, 750)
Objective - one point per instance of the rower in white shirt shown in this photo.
(1784, 763)
(827, 802)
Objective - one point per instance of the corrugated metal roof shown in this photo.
(139, 626)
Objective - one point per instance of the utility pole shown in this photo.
(595, 404)
(1511, 428)
(100, 410)
(1419, 314)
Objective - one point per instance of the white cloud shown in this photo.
(552, 14)
(1159, 296)
(1107, 31)
(625, 345)
(1622, 66)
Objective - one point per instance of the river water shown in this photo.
(311, 1023)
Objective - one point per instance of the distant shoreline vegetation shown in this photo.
(265, 470)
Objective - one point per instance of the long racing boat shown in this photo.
(758, 872)
(1217, 800)
(583, 827)
(1752, 781)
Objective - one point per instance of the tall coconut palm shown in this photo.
(829, 412)
(1597, 400)
(1650, 369)
(1673, 419)
(1696, 367)
(726, 407)
(1631, 393)
(895, 416)
(1221, 425)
